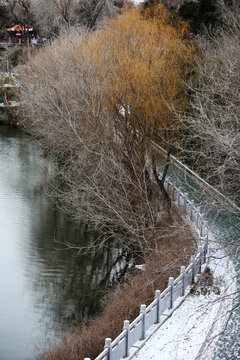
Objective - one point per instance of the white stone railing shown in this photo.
(149, 315)
(197, 179)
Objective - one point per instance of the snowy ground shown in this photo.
(191, 332)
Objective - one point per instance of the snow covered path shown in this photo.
(191, 332)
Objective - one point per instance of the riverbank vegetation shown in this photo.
(96, 105)
(138, 287)
(12, 92)
(49, 17)
(212, 134)
(96, 101)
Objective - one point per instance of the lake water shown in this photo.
(45, 289)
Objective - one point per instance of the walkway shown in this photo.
(225, 224)
(193, 329)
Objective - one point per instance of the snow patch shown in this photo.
(194, 328)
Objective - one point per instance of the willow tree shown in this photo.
(97, 101)
(145, 80)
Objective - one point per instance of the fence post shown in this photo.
(205, 248)
(127, 330)
(175, 193)
(157, 296)
(200, 221)
(193, 268)
(185, 202)
(202, 228)
(200, 251)
(205, 252)
(206, 229)
(108, 345)
(191, 210)
(143, 312)
(182, 271)
(170, 283)
(188, 206)
(197, 215)
(179, 197)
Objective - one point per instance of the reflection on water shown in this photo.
(44, 288)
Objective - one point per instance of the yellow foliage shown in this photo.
(142, 59)
(136, 62)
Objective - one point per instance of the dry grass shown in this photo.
(124, 303)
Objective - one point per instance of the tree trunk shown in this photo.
(160, 182)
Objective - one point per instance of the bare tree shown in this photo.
(111, 191)
(92, 12)
(96, 112)
(50, 17)
(170, 4)
(45, 18)
(20, 11)
(65, 9)
(12, 9)
(212, 130)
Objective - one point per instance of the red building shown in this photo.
(20, 34)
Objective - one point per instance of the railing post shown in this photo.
(157, 296)
(170, 283)
(185, 202)
(202, 228)
(174, 190)
(127, 331)
(205, 249)
(193, 268)
(182, 271)
(200, 251)
(188, 204)
(206, 229)
(197, 215)
(200, 220)
(191, 210)
(143, 312)
(175, 193)
(108, 345)
(178, 197)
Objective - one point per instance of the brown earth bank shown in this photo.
(123, 303)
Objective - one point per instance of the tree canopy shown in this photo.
(97, 104)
